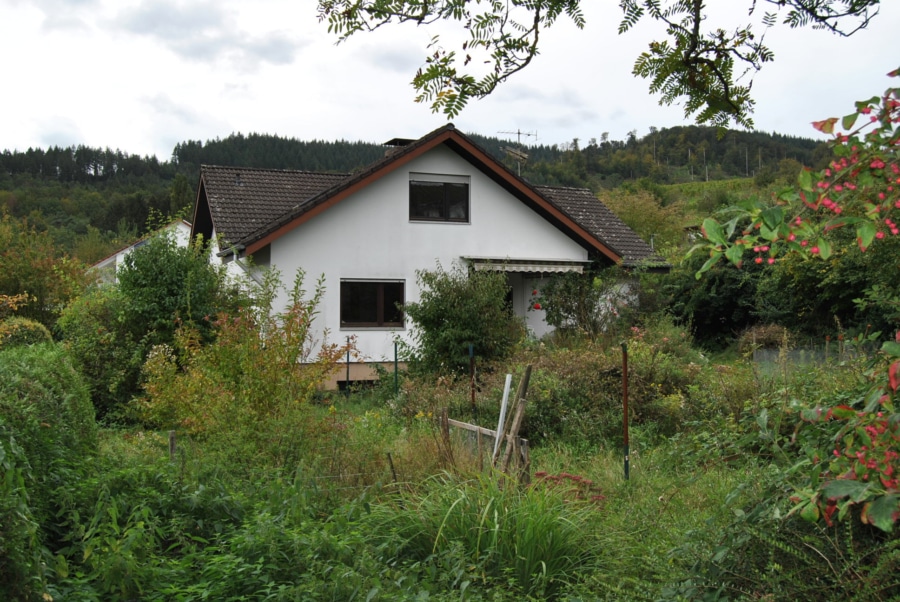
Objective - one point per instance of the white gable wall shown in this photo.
(109, 267)
(369, 236)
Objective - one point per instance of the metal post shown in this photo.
(472, 377)
(396, 372)
(625, 402)
(348, 367)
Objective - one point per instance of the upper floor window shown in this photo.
(438, 198)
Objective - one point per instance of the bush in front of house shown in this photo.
(96, 334)
(457, 309)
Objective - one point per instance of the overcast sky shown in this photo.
(143, 75)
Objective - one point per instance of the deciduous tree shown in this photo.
(699, 64)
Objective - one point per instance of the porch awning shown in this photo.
(535, 266)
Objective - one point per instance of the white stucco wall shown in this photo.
(109, 267)
(369, 236)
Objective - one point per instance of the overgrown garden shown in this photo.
(749, 480)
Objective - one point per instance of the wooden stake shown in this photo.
(520, 394)
(391, 463)
(171, 446)
(513, 433)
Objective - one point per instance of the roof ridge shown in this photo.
(204, 166)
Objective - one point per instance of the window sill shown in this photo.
(440, 221)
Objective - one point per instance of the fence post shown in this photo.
(396, 372)
(625, 403)
(472, 378)
(391, 463)
(171, 446)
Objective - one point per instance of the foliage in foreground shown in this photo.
(252, 382)
(304, 506)
(32, 270)
(111, 328)
(22, 331)
(533, 538)
(47, 435)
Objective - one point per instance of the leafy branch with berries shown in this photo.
(851, 462)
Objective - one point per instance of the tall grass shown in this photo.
(532, 538)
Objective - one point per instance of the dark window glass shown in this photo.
(372, 303)
(438, 201)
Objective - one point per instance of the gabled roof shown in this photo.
(586, 209)
(244, 200)
(250, 207)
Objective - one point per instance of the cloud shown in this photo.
(403, 59)
(165, 107)
(174, 122)
(63, 15)
(205, 32)
(59, 131)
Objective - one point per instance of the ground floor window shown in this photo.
(372, 303)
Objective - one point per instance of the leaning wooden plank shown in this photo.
(513, 434)
(520, 394)
(472, 427)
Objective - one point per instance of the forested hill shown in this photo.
(92, 199)
(662, 155)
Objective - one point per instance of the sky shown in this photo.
(144, 75)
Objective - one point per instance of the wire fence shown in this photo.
(779, 359)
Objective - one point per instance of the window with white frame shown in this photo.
(438, 198)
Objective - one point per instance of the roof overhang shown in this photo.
(529, 266)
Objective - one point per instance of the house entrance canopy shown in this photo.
(532, 266)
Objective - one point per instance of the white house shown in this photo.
(440, 199)
(108, 267)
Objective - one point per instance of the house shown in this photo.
(107, 268)
(437, 200)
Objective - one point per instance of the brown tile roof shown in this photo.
(244, 200)
(583, 207)
(252, 206)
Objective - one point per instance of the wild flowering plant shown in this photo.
(860, 465)
(262, 364)
(853, 455)
(859, 189)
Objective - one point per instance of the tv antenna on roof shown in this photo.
(519, 134)
(518, 154)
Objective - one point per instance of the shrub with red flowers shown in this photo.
(860, 189)
(864, 456)
(854, 455)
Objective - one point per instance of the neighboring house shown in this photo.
(108, 268)
(437, 200)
